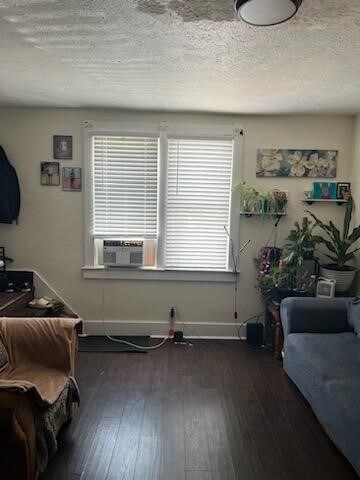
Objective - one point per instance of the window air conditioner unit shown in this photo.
(123, 253)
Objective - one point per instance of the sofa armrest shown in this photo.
(314, 315)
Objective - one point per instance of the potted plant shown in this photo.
(279, 200)
(250, 197)
(299, 247)
(274, 283)
(289, 276)
(341, 247)
(266, 203)
(284, 281)
(301, 243)
(253, 201)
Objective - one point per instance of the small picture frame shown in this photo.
(50, 174)
(324, 190)
(62, 146)
(71, 179)
(343, 191)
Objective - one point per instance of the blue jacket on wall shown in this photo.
(9, 190)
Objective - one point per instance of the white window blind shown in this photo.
(198, 203)
(125, 186)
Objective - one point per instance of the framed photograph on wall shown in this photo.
(50, 174)
(343, 191)
(325, 190)
(71, 179)
(62, 146)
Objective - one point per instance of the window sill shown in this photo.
(92, 272)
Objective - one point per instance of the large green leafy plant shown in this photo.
(300, 244)
(340, 245)
(299, 247)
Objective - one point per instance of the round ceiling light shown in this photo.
(266, 12)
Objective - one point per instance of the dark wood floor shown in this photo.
(214, 411)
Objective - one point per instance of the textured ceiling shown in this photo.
(185, 55)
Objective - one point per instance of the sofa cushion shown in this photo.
(354, 314)
(3, 355)
(312, 359)
(325, 367)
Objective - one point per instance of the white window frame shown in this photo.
(91, 268)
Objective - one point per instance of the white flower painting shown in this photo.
(296, 163)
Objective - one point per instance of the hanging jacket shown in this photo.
(9, 190)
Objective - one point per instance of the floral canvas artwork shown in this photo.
(296, 163)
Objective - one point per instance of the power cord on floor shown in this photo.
(117, 340)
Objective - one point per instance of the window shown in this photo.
(198, 203)
(125, 186)
(173, 191)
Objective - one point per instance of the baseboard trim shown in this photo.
(160, 328)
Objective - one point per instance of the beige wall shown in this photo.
(49, 237)
(355, 169)
(355, 186)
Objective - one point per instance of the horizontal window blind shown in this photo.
(125, 186)
(198, 203)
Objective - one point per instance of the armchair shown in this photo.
(35, 381)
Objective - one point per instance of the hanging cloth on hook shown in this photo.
(9, 190)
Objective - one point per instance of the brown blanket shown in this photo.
(40, 353)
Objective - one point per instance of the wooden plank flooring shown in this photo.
(213, 411)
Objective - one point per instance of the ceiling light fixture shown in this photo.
(266, 12)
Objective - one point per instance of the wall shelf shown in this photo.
(338, 201)
(267, 214)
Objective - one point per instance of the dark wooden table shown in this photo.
(13, 303)
(274, 335)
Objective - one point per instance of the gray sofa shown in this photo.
(322, 357)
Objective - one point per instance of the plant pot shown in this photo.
(344, 278)
(278, 294)
(308, 254)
